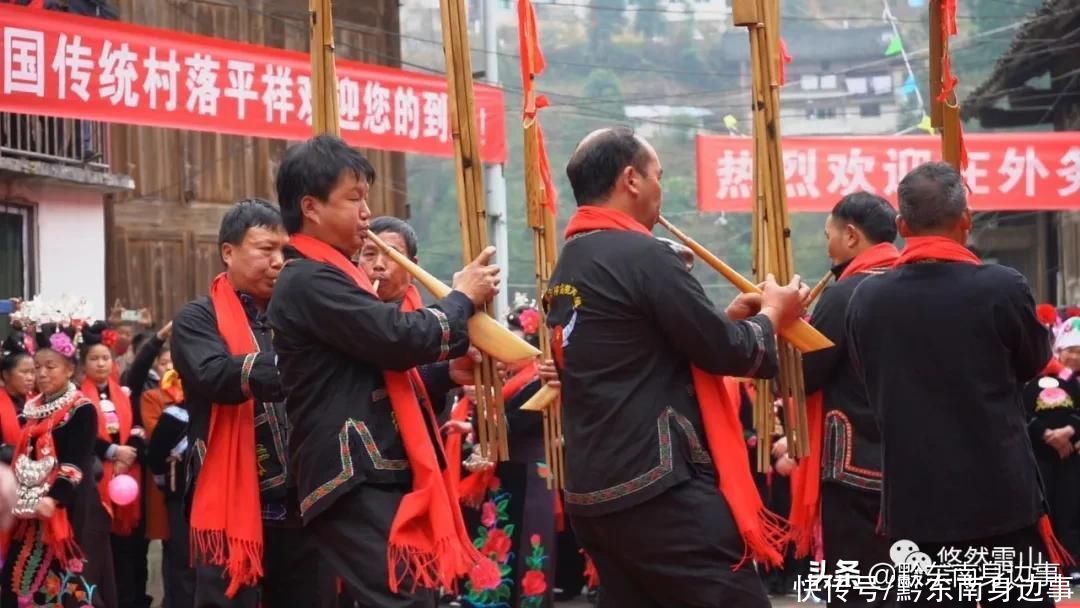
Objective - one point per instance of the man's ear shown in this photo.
(226, 253)
(630, 177)
(902, 227)
(309, 209)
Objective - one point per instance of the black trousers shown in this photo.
(1061, 479)
(131, 569)
(352, 536)
(849, 519)
(674, 551)
(177, 573)
(1021, 541)
(294, 574)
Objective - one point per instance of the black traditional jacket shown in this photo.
(944, 349)
(628, 321)
(335, 340)
(210, 374)
(852, 444)
(1053, 402)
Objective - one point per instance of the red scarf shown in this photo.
(882, 255)
(923, 248)
(9, 419)
(124, 517)
(59, 535)
(591, 217)
(428, 541)
(761, 530)
(806, 478)
(471, 489)
(226, 512)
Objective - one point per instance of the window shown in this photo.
(881, 84)
(15, 255)
(869, 110)
(856, 86)
(823, 113)
(828, 83)
(809, 82)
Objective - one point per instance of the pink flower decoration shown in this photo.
(534, 540)
(75, 566)
(1053, 395)
(485, 575)
(488, 515)
(530, 321)
(61, 343)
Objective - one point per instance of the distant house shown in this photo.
(839, 81)
(1035, 86)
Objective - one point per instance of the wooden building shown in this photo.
(1036, 85)
(162, 236)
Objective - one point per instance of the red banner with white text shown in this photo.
(1006, 171)
(78, 67)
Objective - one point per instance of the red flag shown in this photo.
(784, 60)
(532, 65)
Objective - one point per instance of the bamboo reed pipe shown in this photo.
(800, 334)
(484, 332)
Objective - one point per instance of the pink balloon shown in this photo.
(123, 490)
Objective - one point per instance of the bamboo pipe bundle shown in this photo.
(490, 412)
(773, 253)
(542, 222)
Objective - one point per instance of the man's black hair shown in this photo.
(870, 213)
(932, 197)
(596, 164)
(245, 215)
(400, 227)
(313, 168)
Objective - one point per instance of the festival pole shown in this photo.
(944, 109)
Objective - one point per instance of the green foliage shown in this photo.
(648, 21)
(606, 21)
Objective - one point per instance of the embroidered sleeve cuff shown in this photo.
(245, 374)
(444, 339)
(763, 359)
(67, 479)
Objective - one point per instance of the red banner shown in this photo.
(77, 67)
(1006, 171)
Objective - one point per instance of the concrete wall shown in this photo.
(70, 239)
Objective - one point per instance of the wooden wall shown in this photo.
(162, 238)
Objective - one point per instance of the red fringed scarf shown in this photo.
(428, 541)
(125, 518)
(941, 249)
(806, 478)
(59, 535)
(761, 530)
(226, 511)
(472, 488)
(9, 419)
